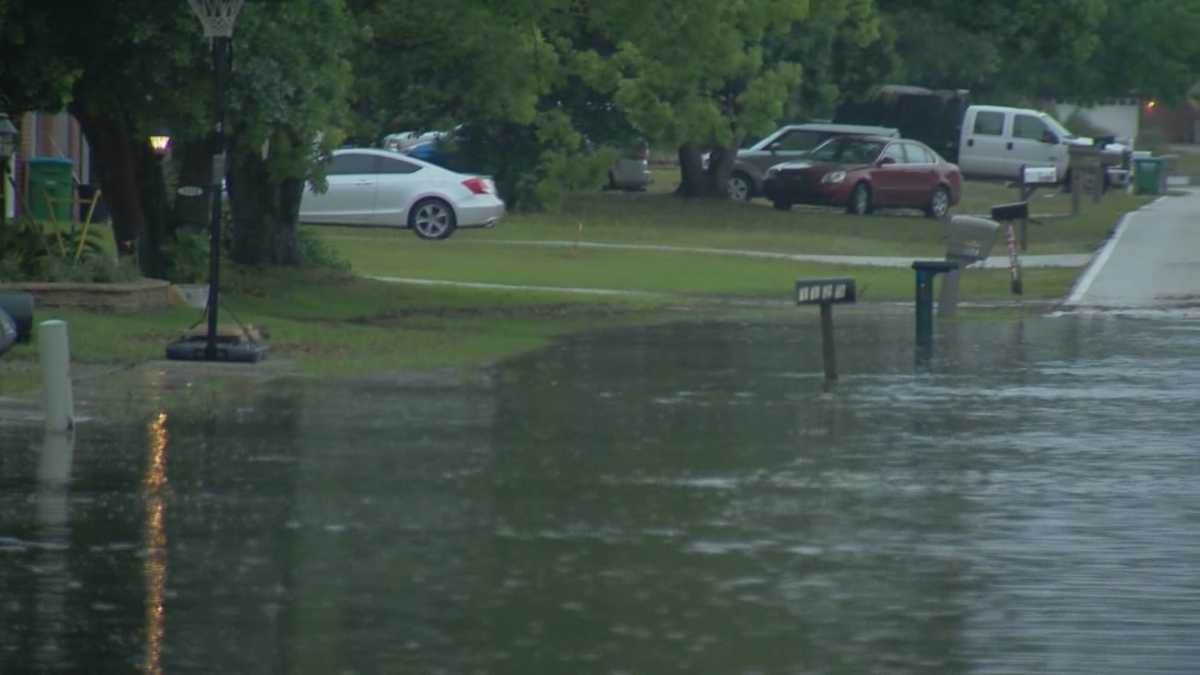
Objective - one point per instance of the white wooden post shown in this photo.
(54, 352)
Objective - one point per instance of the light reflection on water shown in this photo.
(684, 498)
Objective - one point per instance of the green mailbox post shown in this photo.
(51, 188)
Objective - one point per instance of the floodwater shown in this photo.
(676, 499)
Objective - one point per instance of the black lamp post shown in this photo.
(8, 147)
(217, 17)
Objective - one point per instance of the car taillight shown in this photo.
(480, 186)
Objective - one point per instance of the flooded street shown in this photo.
(676, 499)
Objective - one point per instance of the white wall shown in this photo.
(1119, 119)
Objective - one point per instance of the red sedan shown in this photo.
(863, 173)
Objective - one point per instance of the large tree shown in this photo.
(288, 106)
(1146, 48)
(123, 68)
(501, 73)
(709, 84)
(1000, 49)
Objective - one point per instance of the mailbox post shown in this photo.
(826, 293)
(1087, 171)
(1009, 214)
(927, 271)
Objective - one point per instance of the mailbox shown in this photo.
(970, 238)
(1013, 211)
(824, 291)
(1038, 175)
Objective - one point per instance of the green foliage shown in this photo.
(23, 250)
(93, 269)
(187, 256)
(712, 82)
(317, 253)
(28, 252)
(288, 98)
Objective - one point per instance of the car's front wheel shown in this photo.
(432, 218)
(939, 203)
(860, 200)
(740, 187)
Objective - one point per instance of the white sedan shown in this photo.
(377, 187)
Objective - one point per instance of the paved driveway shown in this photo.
(1152, 261)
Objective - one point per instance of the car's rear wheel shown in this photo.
(860, 200)
(740, 187)
(939, 203)
(432, 218)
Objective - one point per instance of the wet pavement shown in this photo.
(1152, 260)
(686, 498)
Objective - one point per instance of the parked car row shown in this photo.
(852, 166)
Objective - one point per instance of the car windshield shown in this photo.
(845, 150)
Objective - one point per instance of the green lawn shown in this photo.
(549, 249)
(333, 324)
(657, 217)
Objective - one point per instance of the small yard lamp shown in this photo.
(8, 147)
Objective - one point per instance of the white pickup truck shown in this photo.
(997, 141)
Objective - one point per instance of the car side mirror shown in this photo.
(774, 147)
(1049, 137)
(884, 161)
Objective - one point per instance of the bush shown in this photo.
(29, 253)
(94, 269)
(23, 250)
(316, 253)
(187, 256)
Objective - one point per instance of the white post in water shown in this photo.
(54, 352)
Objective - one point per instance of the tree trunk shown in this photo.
(697, 180)
(131, 179)
(264, 214)
(151, 257)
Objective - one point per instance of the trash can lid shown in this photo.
(51, 161)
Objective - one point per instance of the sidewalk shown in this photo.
(1064, 260)
(1151, 261)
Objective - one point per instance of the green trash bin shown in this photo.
(1148, 175)
(51, 189)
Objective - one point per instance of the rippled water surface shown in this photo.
(679, 499)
